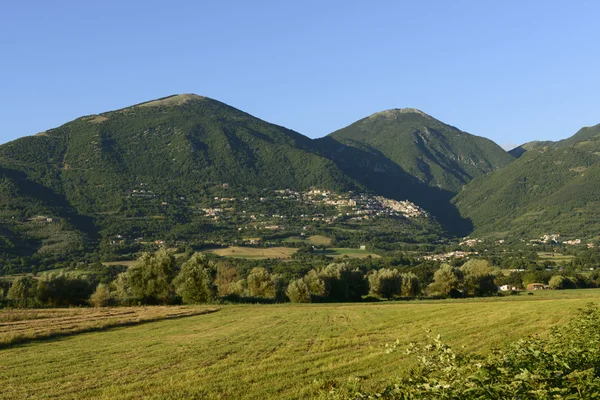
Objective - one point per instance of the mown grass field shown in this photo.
(18, 326)
(558, 258)
(269, 351)
(317, 240)
(256, 253)
(338, 252)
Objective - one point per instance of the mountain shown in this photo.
(429, 150)
(182, 168)
(549, 189)
(585, 133)
(536, 144)
(405, 153)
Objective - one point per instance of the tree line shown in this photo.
(162, 278)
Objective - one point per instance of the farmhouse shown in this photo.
(537, 286)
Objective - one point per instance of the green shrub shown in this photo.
(101, 296)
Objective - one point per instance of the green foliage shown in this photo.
(227, 280)
(447, 282)
(261, 284)
(564, 365)
(478, 278)
(23, 289)
(344, 282)
(411, 286)
(62, 290)
(149, 281)
(385, 283)
(101, 297)
(561, 282)
(298, 291)
(195, 281)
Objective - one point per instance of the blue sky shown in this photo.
(512, 71)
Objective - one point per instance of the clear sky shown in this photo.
(512, 71)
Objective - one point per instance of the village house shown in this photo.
(537, 286)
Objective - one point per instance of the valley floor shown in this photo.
(269, 351)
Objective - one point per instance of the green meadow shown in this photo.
(269, 351)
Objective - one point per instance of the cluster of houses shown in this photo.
(447, 256)
(350, 206)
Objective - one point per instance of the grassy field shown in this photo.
(269, 351)
(18, 326)
(256, 253)
(338, 252)
(128, 263)
(558, 258)
(316, 240)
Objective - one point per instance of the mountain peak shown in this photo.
(396, 112)
(174, 100)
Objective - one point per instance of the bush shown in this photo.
(227, 280)
(561, 282)
(478, 278)
(101, 297)
(343, 282)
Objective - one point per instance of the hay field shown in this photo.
(256, 253)
(18, 326)
(269, 351)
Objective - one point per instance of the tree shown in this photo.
(411, 286)
(260, 283)
(447, 281)
(227, 280)
(299, 292)
(22, 290)
(478, 278)
(101, 297)
(317, 287)
(562, 282)
(385, 283)
(60, 290)
(150, 279)
(195, 281)
(344, 282)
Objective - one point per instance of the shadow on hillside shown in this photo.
(379, 174)
(45, 199)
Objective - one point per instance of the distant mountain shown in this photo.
(550, 189)
(520, 150)
(171, 148)
(585, 133)
(436, 154)
(405, 153)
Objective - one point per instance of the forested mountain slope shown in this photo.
(548, 190)
(432, 152)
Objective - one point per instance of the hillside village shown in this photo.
(349, 206)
